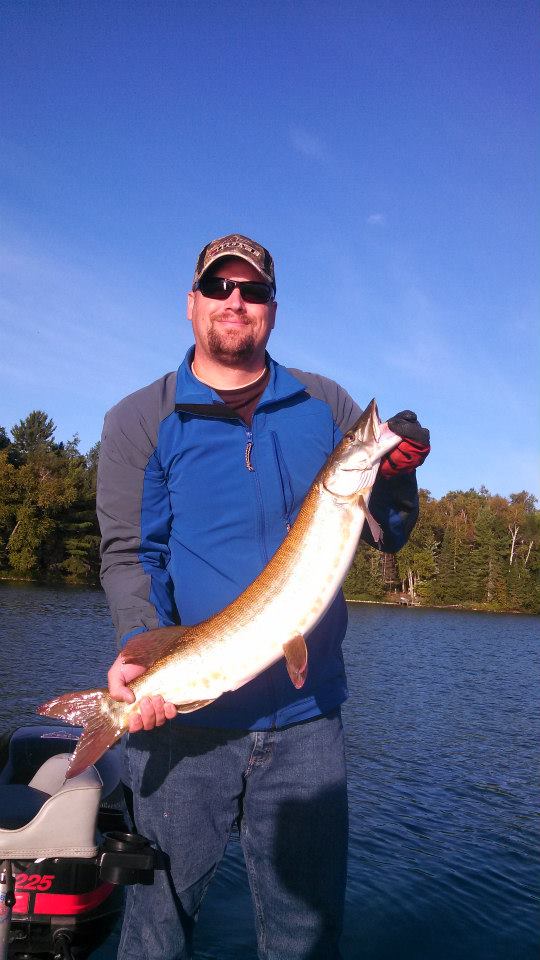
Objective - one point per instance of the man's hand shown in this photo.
(413, 449)
(153, 711)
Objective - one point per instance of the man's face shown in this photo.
(231, 332)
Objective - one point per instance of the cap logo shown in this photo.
(237, 244)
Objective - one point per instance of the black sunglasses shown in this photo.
(218, 288)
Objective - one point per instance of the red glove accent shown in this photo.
(404, 458)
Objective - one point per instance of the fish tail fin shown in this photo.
(103, 719)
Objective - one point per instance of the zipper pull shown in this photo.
(249, 447)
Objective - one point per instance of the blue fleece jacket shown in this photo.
(188, 521)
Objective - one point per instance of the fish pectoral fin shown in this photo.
(375, 528)
(194, 705)
(296, 656)
(145, 648)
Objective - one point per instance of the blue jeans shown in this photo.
(286, 789)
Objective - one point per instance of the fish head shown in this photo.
(353, 466)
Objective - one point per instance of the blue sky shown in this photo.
(386, 153)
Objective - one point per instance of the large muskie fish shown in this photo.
(191, 666)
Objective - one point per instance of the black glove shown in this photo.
(413, 449)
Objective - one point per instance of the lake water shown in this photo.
(443, 731)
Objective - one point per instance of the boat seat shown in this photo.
(30, 746)
(51, 816)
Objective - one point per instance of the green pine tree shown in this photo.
(35, 432)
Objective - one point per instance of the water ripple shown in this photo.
(443, 728)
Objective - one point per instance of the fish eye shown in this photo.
(349, 437)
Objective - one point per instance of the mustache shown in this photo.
(229, 315)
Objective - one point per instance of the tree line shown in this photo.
(469, 548)
(48, 524)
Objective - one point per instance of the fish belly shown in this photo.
(292, 599)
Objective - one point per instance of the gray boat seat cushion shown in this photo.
(64, 824)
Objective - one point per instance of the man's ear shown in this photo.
(190, 304)
(274, 308)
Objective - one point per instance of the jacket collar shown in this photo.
(189, 390)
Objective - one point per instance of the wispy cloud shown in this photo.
(73, 342)
(376, 219)
(309, 145)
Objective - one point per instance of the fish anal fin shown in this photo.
(375, 527)
(296, 657)
(194, 705)
(145, 648)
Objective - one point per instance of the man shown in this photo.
(201, 475)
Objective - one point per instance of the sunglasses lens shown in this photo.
(253, 292)
(217, 288)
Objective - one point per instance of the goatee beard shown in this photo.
(230, 346)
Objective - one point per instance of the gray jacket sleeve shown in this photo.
(344, 410)
(134, 555)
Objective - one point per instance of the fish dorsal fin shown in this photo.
(296, 656)
(145, 648)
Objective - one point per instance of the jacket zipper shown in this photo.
(260, 504)
(249, 448)
(285, 480)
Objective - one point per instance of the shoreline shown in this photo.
(72, 585)
(442, 606)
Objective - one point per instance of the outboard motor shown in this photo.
(65, 849)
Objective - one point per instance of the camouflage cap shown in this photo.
(235, 245)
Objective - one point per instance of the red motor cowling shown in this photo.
(62, 902)
(66, 907)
